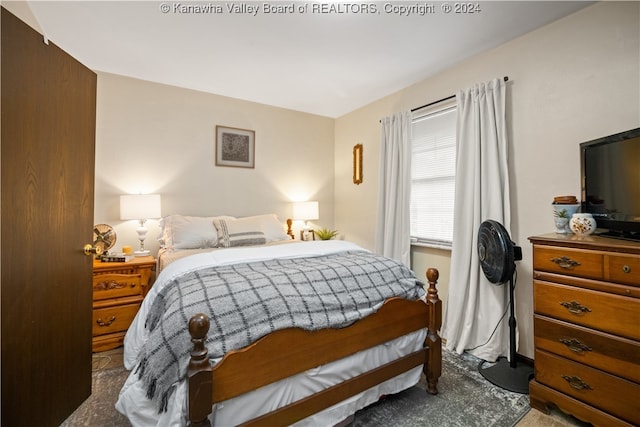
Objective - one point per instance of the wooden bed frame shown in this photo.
(273, 358)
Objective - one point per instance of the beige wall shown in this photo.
(572, 81)
(153, 138)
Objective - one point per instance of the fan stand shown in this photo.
(509, 374)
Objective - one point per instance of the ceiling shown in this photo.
(326, 58)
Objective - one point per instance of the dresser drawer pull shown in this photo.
(626, 269)
(575, 345)
(101, 322)
(577, 383)
(575, 307)
(565, 262)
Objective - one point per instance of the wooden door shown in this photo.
(47, 172)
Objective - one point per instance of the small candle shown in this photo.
(127, 250)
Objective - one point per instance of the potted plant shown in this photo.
(325, 234)
(561, 219)
(563, 208)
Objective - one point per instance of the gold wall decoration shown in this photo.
(357, 164)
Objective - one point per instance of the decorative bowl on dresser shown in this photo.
(587, 327)
(118, 291)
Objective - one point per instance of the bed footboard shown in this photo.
(272, 358)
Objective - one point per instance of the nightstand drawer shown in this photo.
(574, 262)
(107, 286)
(113, 319)
(597, 310)
(614, 395)
(616, 355)
(118, 291)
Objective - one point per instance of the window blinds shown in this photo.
(433, 175)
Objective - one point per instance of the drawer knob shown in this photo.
(565, 262)
(626, 269)
(577, 383)
(575, 307)
(101, 322)
(575, 345)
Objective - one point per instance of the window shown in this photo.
(433, 168)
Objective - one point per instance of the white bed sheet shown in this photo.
(166, 255)
(142, 412)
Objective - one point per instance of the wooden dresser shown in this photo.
(118, 291)
(587, 328)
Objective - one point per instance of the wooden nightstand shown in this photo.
(118, 291)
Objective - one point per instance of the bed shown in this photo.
(313, 371)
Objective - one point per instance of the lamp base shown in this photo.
(142, 253)
(502, 374)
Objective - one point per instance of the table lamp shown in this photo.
(140, 207)
(305, 211)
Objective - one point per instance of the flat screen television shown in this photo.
(610, 169)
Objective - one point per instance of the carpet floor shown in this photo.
(99, 409)
(466, 399)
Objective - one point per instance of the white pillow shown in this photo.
(251, 230)
(272, 228)
(189, 232)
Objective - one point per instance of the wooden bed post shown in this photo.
(433, 367)
(199, 379)
(289, 229)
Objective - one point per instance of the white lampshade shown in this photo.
(140, 206)
(305, 211)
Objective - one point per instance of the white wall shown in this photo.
(153, 138)
(574, 80)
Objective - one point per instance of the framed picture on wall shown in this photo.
(235, 147)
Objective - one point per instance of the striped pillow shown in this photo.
(239, 232)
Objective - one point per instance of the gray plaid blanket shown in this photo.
(247, 301)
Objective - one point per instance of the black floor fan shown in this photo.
(497, 254)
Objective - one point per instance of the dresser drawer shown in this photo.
(609, 393)
(107, 286)
(574, 262)
(113, 319)
(597, 310)
(615, 355)
(623, 269)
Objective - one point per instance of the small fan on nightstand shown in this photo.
(497, 254)
(104, 236)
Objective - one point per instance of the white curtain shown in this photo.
(473, 317)
(394, 188)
